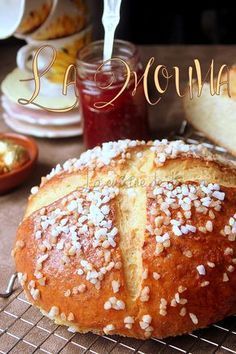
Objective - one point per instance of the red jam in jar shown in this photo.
(127, 116)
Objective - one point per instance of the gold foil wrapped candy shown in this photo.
(12, 156)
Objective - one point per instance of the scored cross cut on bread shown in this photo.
(132, 238)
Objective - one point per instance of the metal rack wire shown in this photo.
(23, 330)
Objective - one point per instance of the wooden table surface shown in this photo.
(164, 117)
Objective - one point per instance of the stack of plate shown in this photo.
(60, 24)
(32, 120)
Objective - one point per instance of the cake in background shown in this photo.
(215, 116)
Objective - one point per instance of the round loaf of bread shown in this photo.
(132, 238)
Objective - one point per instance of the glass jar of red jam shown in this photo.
(126, 117)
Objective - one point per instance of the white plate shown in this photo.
(50, 95)
(39, 117)
(42, 131)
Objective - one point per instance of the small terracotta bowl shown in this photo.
(14, 178)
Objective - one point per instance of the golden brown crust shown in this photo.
(35, 18)
(163, 266)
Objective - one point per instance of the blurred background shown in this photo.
(169, 24)
(163, 30)
(158, 23)
(171, 28)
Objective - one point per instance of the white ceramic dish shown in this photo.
(50, 94)
(22, 15)
(39, 117)
(69, 44)
(42, 131)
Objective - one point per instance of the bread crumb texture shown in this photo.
(214, 115)
(132, 238)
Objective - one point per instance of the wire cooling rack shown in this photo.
(23, 330)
